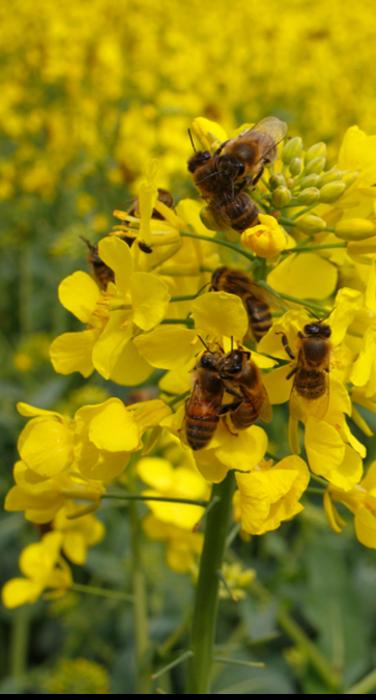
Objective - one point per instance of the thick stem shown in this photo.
(206, 602)
(140, 616)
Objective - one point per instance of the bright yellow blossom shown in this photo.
(267, 239)
(43, 569)
(183, 546)
(77, 533)
(269, 494)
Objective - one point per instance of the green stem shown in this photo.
(102, 592)
(217, 241)
(182, 321)
(363, 687)
(185, 297)
(183, 657)
(164, 499)
(19, 642)
(206, 602)
(140, 615)
(312, 248)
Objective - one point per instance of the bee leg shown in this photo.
(286, 345)
(226, 423)
(256, 179)
(290, 374)
(230, 390)
(229, 407)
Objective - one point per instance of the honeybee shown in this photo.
(101, 272)
(242, 379)
(238, 213)
(237, 282)
(246, 155)
(203, 407)
(311, 372)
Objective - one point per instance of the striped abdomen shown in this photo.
(310, 383)
(200, 430)
(260, 317)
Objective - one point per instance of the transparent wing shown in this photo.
(272, 126)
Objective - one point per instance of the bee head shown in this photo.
(233, 362)
(319, 330)
(209, 360)
(198, 159)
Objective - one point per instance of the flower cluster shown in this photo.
(292, 322)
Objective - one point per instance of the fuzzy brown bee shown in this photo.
(238, 213)
(237, 282)
(311, 372)
(203, 407)
(246, 155)
(242, 379)
(101, 272)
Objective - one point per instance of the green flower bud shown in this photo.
(318, 150)
(349, 178)
(277, 181)
(292, 149)
(311, 223)
(332, 190)
(309, 195)
(296, 166)
(281, 196)
(355, 229)
(316, 165)
(309, 180)
(330, 176)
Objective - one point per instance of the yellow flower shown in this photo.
(179, 482)
(267, 239)
(43, 569)
(137, 301)
(77, 533)
(183, 546)
(41, 498)
(46, 442)
(269, 494)
(361, 501)
(237, 580)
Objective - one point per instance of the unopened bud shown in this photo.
(332, 190)
(309, 180)
(296, 166)
(316, 165)
(281, 196)
(330, 176)
(349, 178)
(292, 149)
(364, 247)
(355, 229)
(309, 195)
(318, 150)
(311, 223)
(277, 181)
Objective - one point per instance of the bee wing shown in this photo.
(272, 126)
(266, 412)
(301, 408)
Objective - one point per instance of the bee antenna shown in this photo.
(207, 284)
(204, 344)
(191, 140)
(232, 343)
(88, 243)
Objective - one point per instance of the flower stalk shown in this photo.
(206, 601)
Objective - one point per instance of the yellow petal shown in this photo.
(365, 527)
(220, 314)
(156, 472)
(298, 275)
(19, 591)
(114, 429)
(150, 299)
(149, 413)
(324, 446)
(74, 547)
(276, 384)
(167, 346)
(111, 343)
(37, 560)
(25, 409)
(116, 254)
(45, 444)
(72, 352)
(131, 368)
(79, 294)
(243, 450)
